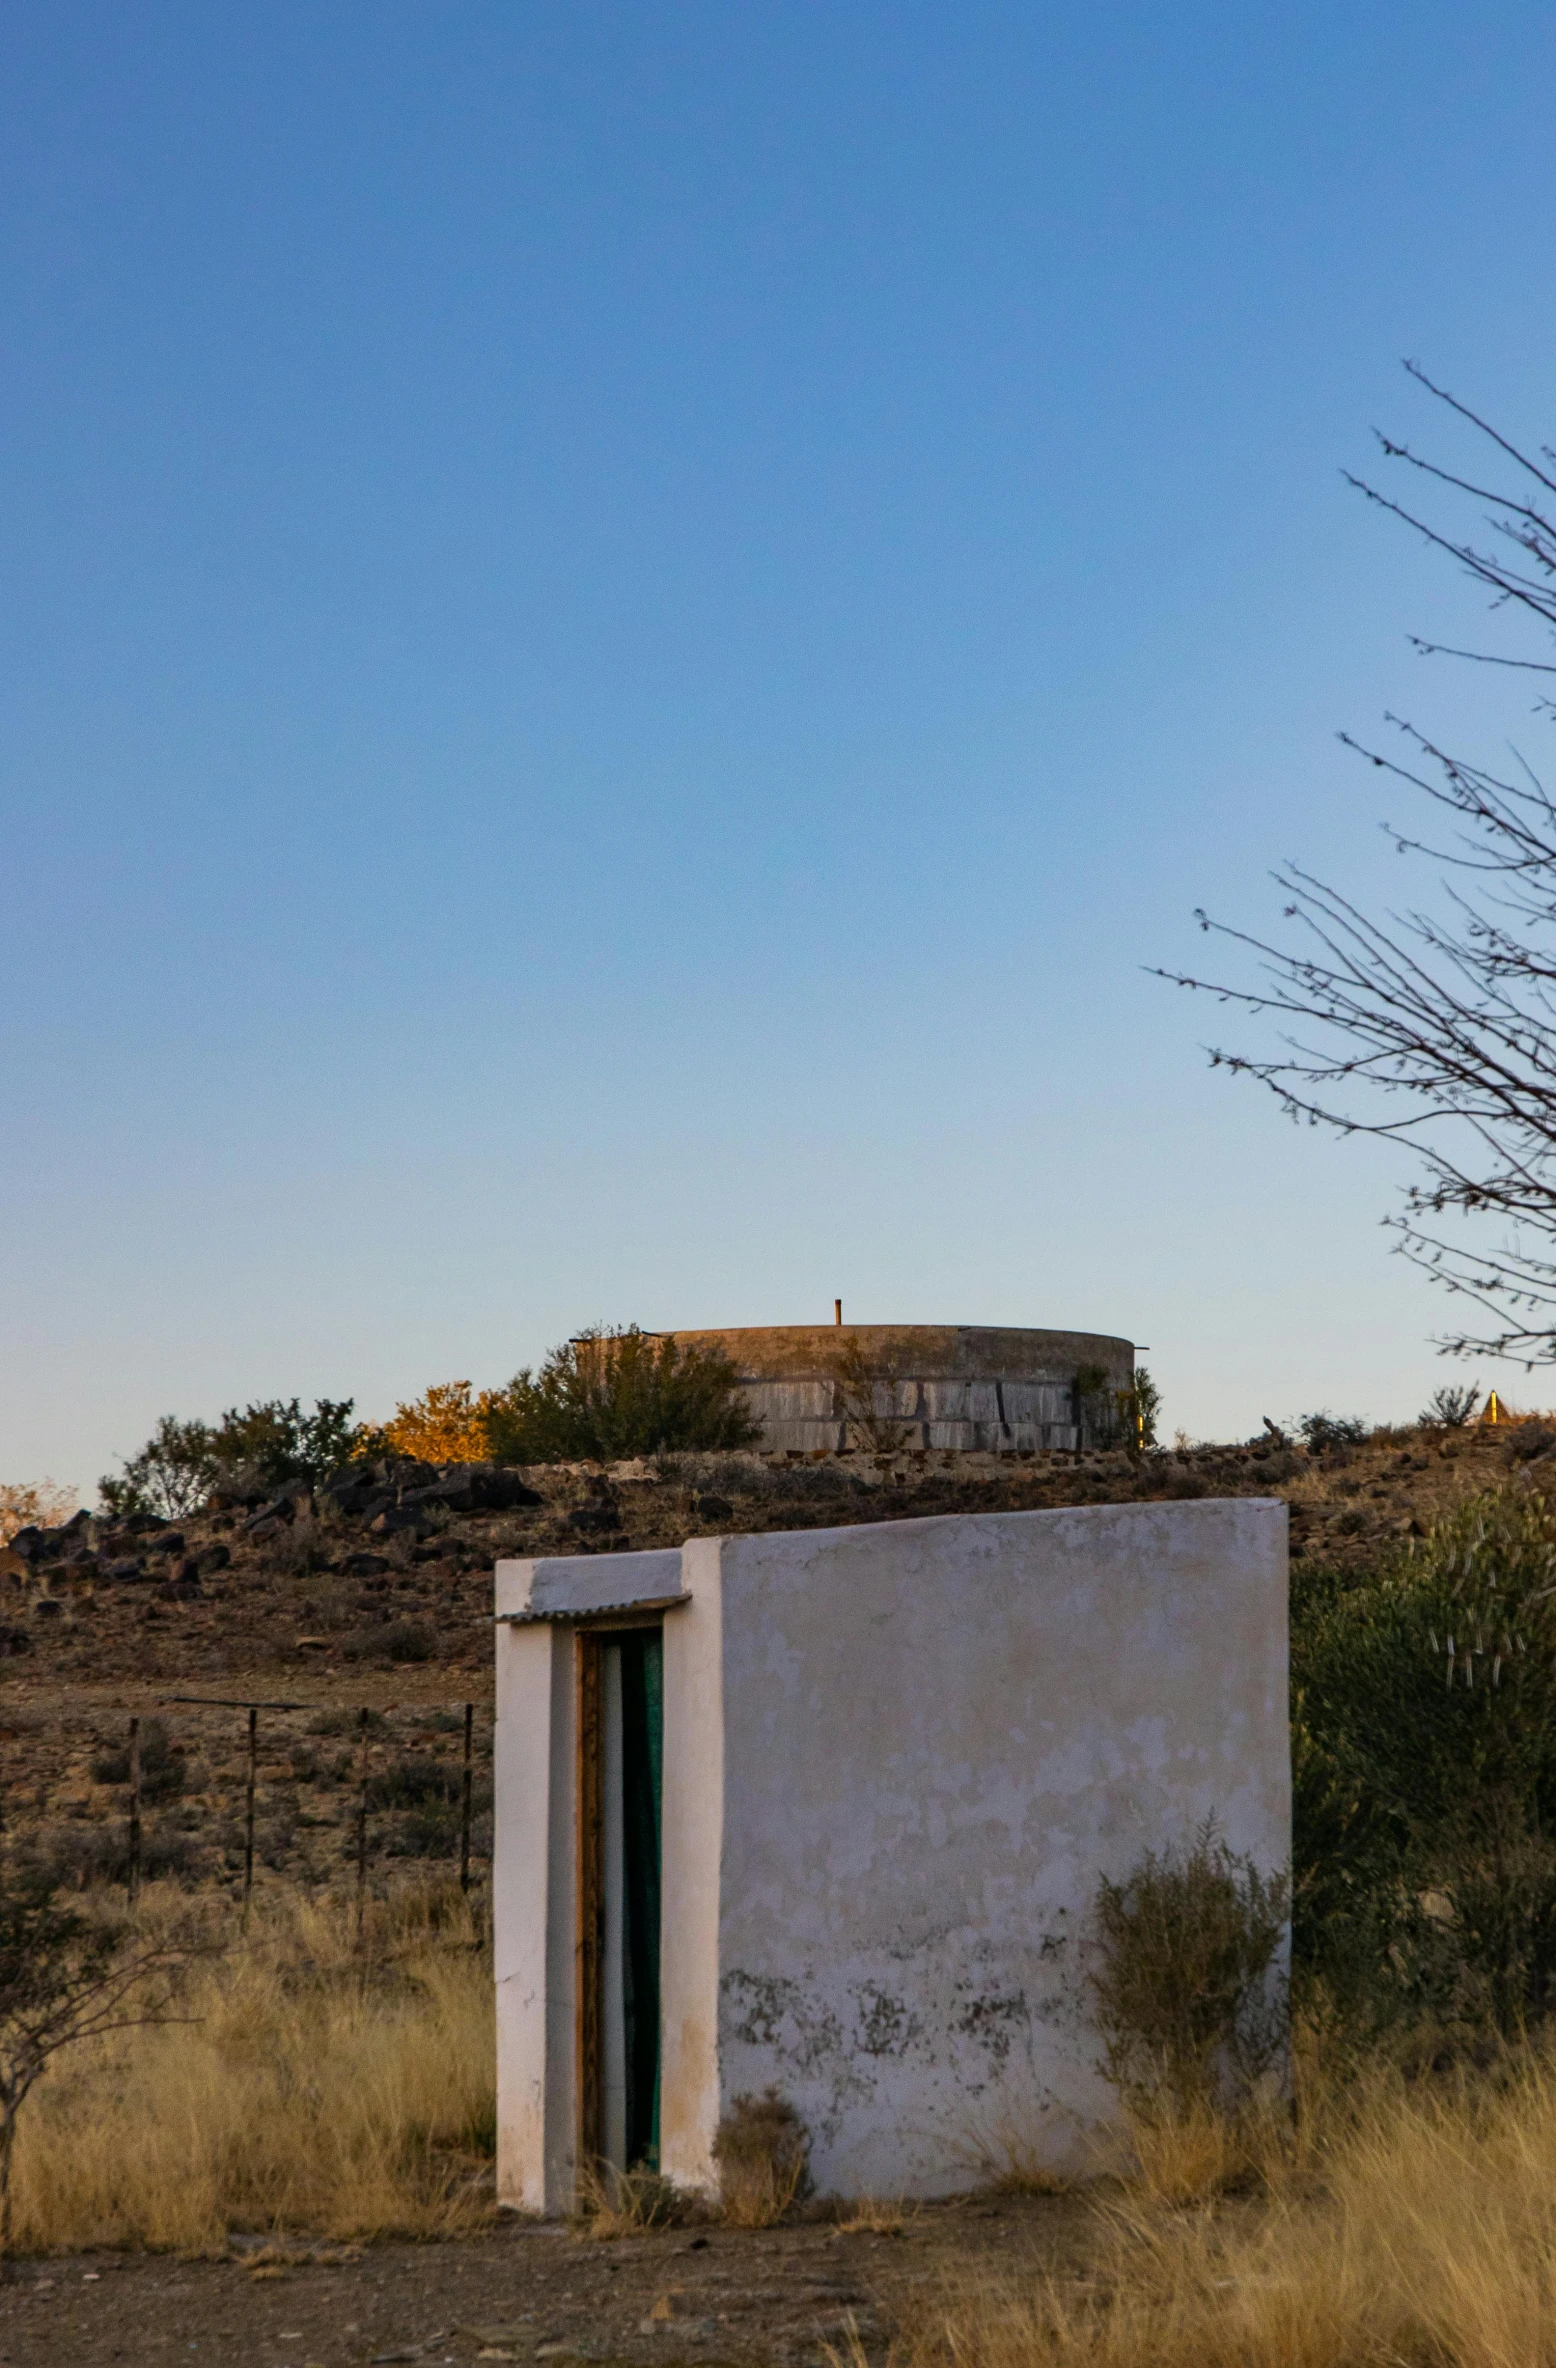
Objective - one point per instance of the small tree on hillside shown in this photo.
(269, 1443)
(28, 1504)
(172, 1474)
(447, 1424)
(610, 1394)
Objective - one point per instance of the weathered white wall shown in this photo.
(897, 1760)
(937, 1737)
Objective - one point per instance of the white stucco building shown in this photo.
(827, 1810)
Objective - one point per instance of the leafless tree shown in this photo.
(64, 1977)
(1434, 1031)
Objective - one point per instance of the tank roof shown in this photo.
(959, 1352)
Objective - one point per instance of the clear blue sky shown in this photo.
(624, 626)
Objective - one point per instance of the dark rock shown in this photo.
(355, 1491)
(14, 1640)
(270, 1516)
(214, 1557)
(363, 1566)
(126, 1572)
(394, 1520)
(48, 1607)
(714, 1508)
(167, 1541)
(499, 1489)
(594, 1520)
(28, 1542)
(474, 1488)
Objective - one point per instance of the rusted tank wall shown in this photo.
(947, 1385)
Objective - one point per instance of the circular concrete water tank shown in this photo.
(958, 1386)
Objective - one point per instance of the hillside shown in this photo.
(374, 1592)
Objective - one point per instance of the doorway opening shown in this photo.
(621, 1782)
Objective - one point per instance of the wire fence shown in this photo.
(217, 1788)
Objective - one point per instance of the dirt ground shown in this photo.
(530, 2293)
(291, 1614)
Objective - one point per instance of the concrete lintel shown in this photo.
(570, 1586)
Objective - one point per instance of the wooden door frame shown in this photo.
(591, 1901)
(589, 1952)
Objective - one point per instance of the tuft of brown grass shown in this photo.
(316, 2089)
(868, 2216)
(611, 2203)
(1187, 2151)
(1010, 2148)
(1399, 2223)
(762, 2149)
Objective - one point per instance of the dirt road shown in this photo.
(778, 2296)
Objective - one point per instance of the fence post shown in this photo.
(362, 1828)
(132, 1883)
(248, 1836)
(464, 1809)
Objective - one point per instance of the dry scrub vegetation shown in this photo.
(1390, 2223)
(316, 2087)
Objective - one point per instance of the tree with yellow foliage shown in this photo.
(42, 1502)
(446, 1425)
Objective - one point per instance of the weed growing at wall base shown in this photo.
(1183, 1990)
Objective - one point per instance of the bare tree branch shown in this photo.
(1437, 1032)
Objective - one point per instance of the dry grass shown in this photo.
(867, 2215)
(311, 2094)
(1189, 2151)
(1010, 2149)
(762, 2150)
(611, 2203)
(1409, 2226)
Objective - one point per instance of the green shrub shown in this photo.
(1452, 1405)
(1323, 1431)
(263, 1446)
(611, 1394)
(1106, 1416)
(1182, 1984)
(161, 1764)
(413, 1783)
(1424, 1774)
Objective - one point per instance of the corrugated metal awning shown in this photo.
(574, 1614)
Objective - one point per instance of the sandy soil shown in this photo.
(533, 2294)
